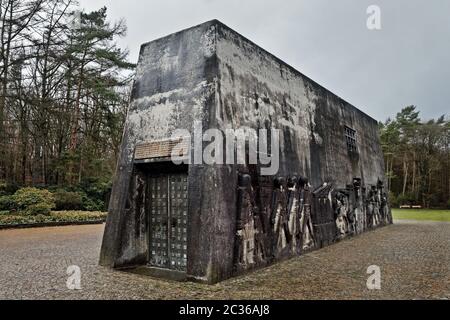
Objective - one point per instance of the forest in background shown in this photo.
(64, 91)
(417, 159)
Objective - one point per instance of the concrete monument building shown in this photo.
(209, 222)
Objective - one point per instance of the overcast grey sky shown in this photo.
(406, 62)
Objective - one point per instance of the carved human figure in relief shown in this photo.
(308, 239)
(341, 210)
(247, 235)
(377, 210)
(246, 224)
(280, 216)
(373, 207)
(386, 216)
(294, 213)
(139, 199)
(360, 215)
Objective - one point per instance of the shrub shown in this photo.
(97, 194)
(66, 200)
(406, 199)
(82, 197)
(393, 200)
(7, 203)
(21, 219)
(7, 189)
(3, 186)
(90, 204)
(55, 216)
(78, 215)
(40, 209)
(32, 201)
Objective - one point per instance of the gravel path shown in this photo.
(414, 258)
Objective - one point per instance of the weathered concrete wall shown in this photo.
(258, 90)
(175, 85)
(237, 219)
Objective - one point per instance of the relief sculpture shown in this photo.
(286, 219)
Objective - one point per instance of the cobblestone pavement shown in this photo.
(414, 258)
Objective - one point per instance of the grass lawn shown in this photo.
(421, 214)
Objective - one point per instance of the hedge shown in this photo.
(56, 216)
(33, 201)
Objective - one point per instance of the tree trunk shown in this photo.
(414, 176)
(405, 174)
(76, 119)
(3, 94)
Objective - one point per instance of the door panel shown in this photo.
(158, 221)
(178, 222)
(168, 195)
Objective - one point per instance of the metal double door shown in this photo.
(168, 214)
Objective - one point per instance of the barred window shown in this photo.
(351, 139)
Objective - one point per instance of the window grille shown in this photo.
(351, 139)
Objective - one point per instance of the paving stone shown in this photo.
(414, 258)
